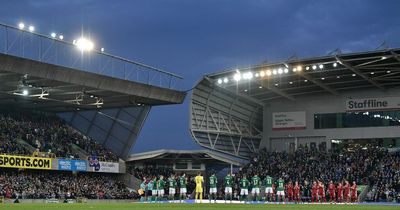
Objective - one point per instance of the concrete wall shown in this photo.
(318, 104)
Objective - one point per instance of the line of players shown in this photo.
(292, 192)
(275, 191)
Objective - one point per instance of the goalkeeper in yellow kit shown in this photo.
(199, 187)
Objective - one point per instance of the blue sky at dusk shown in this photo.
(192, 38)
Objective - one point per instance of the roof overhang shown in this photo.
(58, 89)
(333, 74)
(195, 155)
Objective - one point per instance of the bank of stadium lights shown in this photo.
(102, 49)
(61, 37)
(321, 66)
(226, 80)
(53, 35)
(219, 81)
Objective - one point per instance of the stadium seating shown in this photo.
(61, 185)
(47, 133)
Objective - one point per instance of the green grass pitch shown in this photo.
(142, 206)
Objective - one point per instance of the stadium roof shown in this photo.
(328, 74)
(227, 107)
(202, 155)
(55, 88)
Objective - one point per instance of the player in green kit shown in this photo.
(268, 188)
(182, 187)
(160, 188)
(255, 187)
(244, 188)
(151, 187)
(172, 187)
(228, 181)
(213, 187)
(280, 190)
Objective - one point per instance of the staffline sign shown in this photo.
(371, 104)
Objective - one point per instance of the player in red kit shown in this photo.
(340, 192)
(354, 192)
(321, 192)
(314, 192)
(289, 191)
(296, 190)
(346, 194)
(332, 190)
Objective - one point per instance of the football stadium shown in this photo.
(319, 132)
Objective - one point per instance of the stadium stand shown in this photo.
(61, 185)
(48, 134)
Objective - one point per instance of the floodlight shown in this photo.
(299, 68)
(286, 70)
(323, 78)
(247, 75)
(84, 44)
(31, 28)
(61, 37)
(260, 87)
(102, 49)
(25, 92)
(226, 80)
(268, 72)
(21, 26)
(262, 74)
(372, 73)
(280, 71)
(219, 81)
(321, 66)
(290, 82)
(53, 35)
(334, 64)
(274, 72)
(388, 72)
(237, 77)
(307, 68)
(314, 67)
(294, 69)
(353, 75)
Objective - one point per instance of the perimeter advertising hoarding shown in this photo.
(14, 161)
(72, 165)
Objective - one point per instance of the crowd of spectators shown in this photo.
(371, 166)
(61, 185)
(48, 134)
(149, 172)
(385, 180)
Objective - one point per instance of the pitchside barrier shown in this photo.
(1, 199)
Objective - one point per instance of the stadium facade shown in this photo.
(319, 102)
